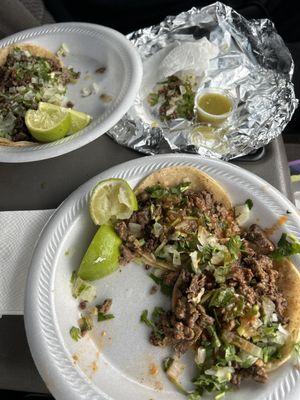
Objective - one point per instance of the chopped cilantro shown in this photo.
(182, 187)
(167, 362)
(165, 289)
(103, 317)
(249, 203)
(215, 340)
(144, 318)
(75, 333)
(230, 353)
(235, 246)
(288, 245)
(270, 353)
(211, 383)
(157, 191)
(157, 312)
(151, 324)
(73, 277)
(220, 273)
(153, 99)
(222, 297)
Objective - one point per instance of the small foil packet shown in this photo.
(247, 58)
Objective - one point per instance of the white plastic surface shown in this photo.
(116, 365)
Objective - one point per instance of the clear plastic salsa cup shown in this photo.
(214, 105)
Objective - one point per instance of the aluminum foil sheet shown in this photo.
(253, 64)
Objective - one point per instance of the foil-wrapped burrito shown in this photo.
(193, 64)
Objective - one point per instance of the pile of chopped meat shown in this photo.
(226, 304)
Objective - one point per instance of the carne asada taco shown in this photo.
(29, 74)
(234, 292)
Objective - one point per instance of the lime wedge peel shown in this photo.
(112, 199)
(79, 120)
(102, 255)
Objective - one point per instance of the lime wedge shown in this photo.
(112, 198)
(102, 255)
(79, 120)
(47, 127)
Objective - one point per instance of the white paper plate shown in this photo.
(91, 46)
(116, 366)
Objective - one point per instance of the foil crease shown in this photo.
(254, 64)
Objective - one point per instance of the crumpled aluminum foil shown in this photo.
(253, 63)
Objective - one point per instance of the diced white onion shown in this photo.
(200, 355)
(242, 213)
(175, 370)
(87, 91)
(157, 229)
(195, 261)
(203, 235)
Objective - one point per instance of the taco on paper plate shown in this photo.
(234, 293)
(29, 74)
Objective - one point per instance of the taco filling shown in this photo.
(227, 301)
(25, 80)
(174, 98)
